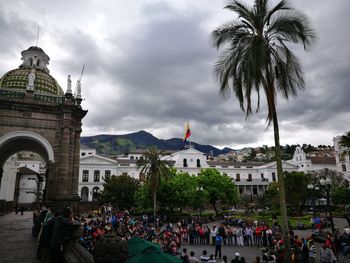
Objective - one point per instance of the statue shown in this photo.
(31, 79)
(69, 85)
(78, 90)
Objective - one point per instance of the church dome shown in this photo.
(34, 62)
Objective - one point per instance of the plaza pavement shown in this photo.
(17, 244)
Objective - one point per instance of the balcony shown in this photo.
(253, 182)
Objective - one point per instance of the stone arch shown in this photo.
(13, 142)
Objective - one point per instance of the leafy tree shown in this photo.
(219, 187)
(270, 199)
(178, 191)
(143, 198)
(256, 57)
(341, 196)
(337, 178)
(296, 190)
(154, 169)
(120, 191)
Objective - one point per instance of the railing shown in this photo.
(13, 94)
(20, 94)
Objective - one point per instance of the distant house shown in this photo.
(312, 163)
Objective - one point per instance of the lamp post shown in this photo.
(200, 192)
(313, 189)
(327, 186)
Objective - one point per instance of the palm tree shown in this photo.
(154, 169)
(256, 58)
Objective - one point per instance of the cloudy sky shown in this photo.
(149, 67)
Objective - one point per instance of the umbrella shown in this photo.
(140, 250)
(138, 245)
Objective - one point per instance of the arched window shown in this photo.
(185, 162)
(84, 194)
(198, 163)
(95, 193)
(131, 157)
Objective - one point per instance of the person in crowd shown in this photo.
(224, 259)
(184, 257)
(213, 233)
(218, 244)
(192, 258)
(45, 241)
(237, 258)
(204, 257)
(211, 259)
(325, 254)
(60, 235)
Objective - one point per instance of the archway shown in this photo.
(37, 116)
(11, 174)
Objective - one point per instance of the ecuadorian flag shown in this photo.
(187, 131)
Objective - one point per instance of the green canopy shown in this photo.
(142, 251)
(138, 245)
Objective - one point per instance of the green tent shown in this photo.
(140, 250)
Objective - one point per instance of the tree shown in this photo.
(345, 143)
(341, 196)
(154, 169)
(178, 191)
(296, 190)
(120, 191)
(256, 57)
(218, 187)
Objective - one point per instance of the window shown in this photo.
(198, 163)
(241, 190)
(343, 167)
(249, 177)
(238, 177)
(255, 190)
(273, 177)
(96, 175)
(85, 175)
(125, 174)
(107, 174)
(224, 166)
(342, 158)
(185, 162)
(84, 194)
(82, 154)
(262, 176)
(131, 157)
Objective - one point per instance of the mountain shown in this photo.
(118, 144)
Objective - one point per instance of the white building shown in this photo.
(23, 178)
(251, 178)
(342, 160)
(312, 163)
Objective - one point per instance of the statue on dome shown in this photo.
(31, 79)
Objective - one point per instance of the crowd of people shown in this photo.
(50, 227)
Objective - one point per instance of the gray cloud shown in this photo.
(149, 66)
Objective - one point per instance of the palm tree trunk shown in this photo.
(155, 206)
(282, 193)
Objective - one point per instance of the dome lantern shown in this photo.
(35, 57)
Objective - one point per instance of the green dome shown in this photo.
(17, 79)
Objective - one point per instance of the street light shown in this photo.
(313, 189)
(327, 186)
(200, 191)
